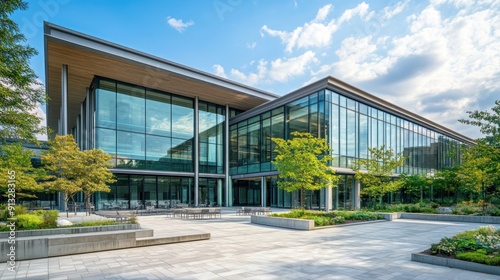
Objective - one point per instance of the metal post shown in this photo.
(196, 150)
(226, 155)
(64, 99)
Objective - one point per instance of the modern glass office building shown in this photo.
(178, 135)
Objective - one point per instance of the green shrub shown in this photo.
(480, 256)
(50, 218)
(29, 221)
(338, 220)
(320, 221)
(96, 223)
(447, 246)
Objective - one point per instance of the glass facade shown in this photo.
(142, 128)
(155, 133)
(147, 129)
(351, 127)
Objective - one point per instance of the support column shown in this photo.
(196, 150)
(263, 188)
(64, 99)
(226, 156)
(63, 118)
(356, 195)
(230, 193)
(82, 125)
(87, 119)
(219, 191)
(328, 198)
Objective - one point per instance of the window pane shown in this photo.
(106, 104)
(182, 118)
(130, 108)
(158, 110)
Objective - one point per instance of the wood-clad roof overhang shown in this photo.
(88, 57)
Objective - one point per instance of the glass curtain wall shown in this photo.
(211, 137)
(142, 128)
(351, 127)
(139, 192)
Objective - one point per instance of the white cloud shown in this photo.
(251, 45)
(358, 60)
(360, 10)
(317, 32)
(323, 13)
(278, 70)
(219, 71)
(282, 69)
(178, 24)
(388, 13)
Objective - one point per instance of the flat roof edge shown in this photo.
(73, 38)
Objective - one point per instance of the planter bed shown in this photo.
(300, 224)
(454, 263)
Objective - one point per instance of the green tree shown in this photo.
(20, 91)
(94, 174)
(414, 184)
(480, 168)
(62, 162)
(488, 123)
(376, 172)
(447, 181)
(17, 158)
(302, 163)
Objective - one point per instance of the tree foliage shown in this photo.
(74, 170)
(414, 184)
(17, 158)
(62, 163)
(20, 91)
(375, 173)
(94, 175)
(302, 163)
(488, 123)
(480, 168)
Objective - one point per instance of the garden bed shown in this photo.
(475, 250)
(310, 220)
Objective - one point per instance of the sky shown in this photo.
(436, 58)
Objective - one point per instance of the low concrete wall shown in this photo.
(451, 218)
(58, 245)
(299, 224)
(69, 230)
(454, 263)
(390, 216)
(44, 246)
(151, 241)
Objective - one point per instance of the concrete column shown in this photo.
(328, 198)
(64, 99)
(230, 193)
(263, 188)
(82, 124)
(220, 186)
(196, 153)
(87, 120)
(357, 195)
(226, 155)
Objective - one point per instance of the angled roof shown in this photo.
(87, 56)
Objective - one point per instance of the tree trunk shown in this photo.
(303, 198)
(66, 206)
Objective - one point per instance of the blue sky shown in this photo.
(437, 58)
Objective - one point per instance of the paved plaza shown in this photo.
(241, 250)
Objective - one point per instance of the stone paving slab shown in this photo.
(241, 250)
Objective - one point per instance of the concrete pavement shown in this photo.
(240, 250)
